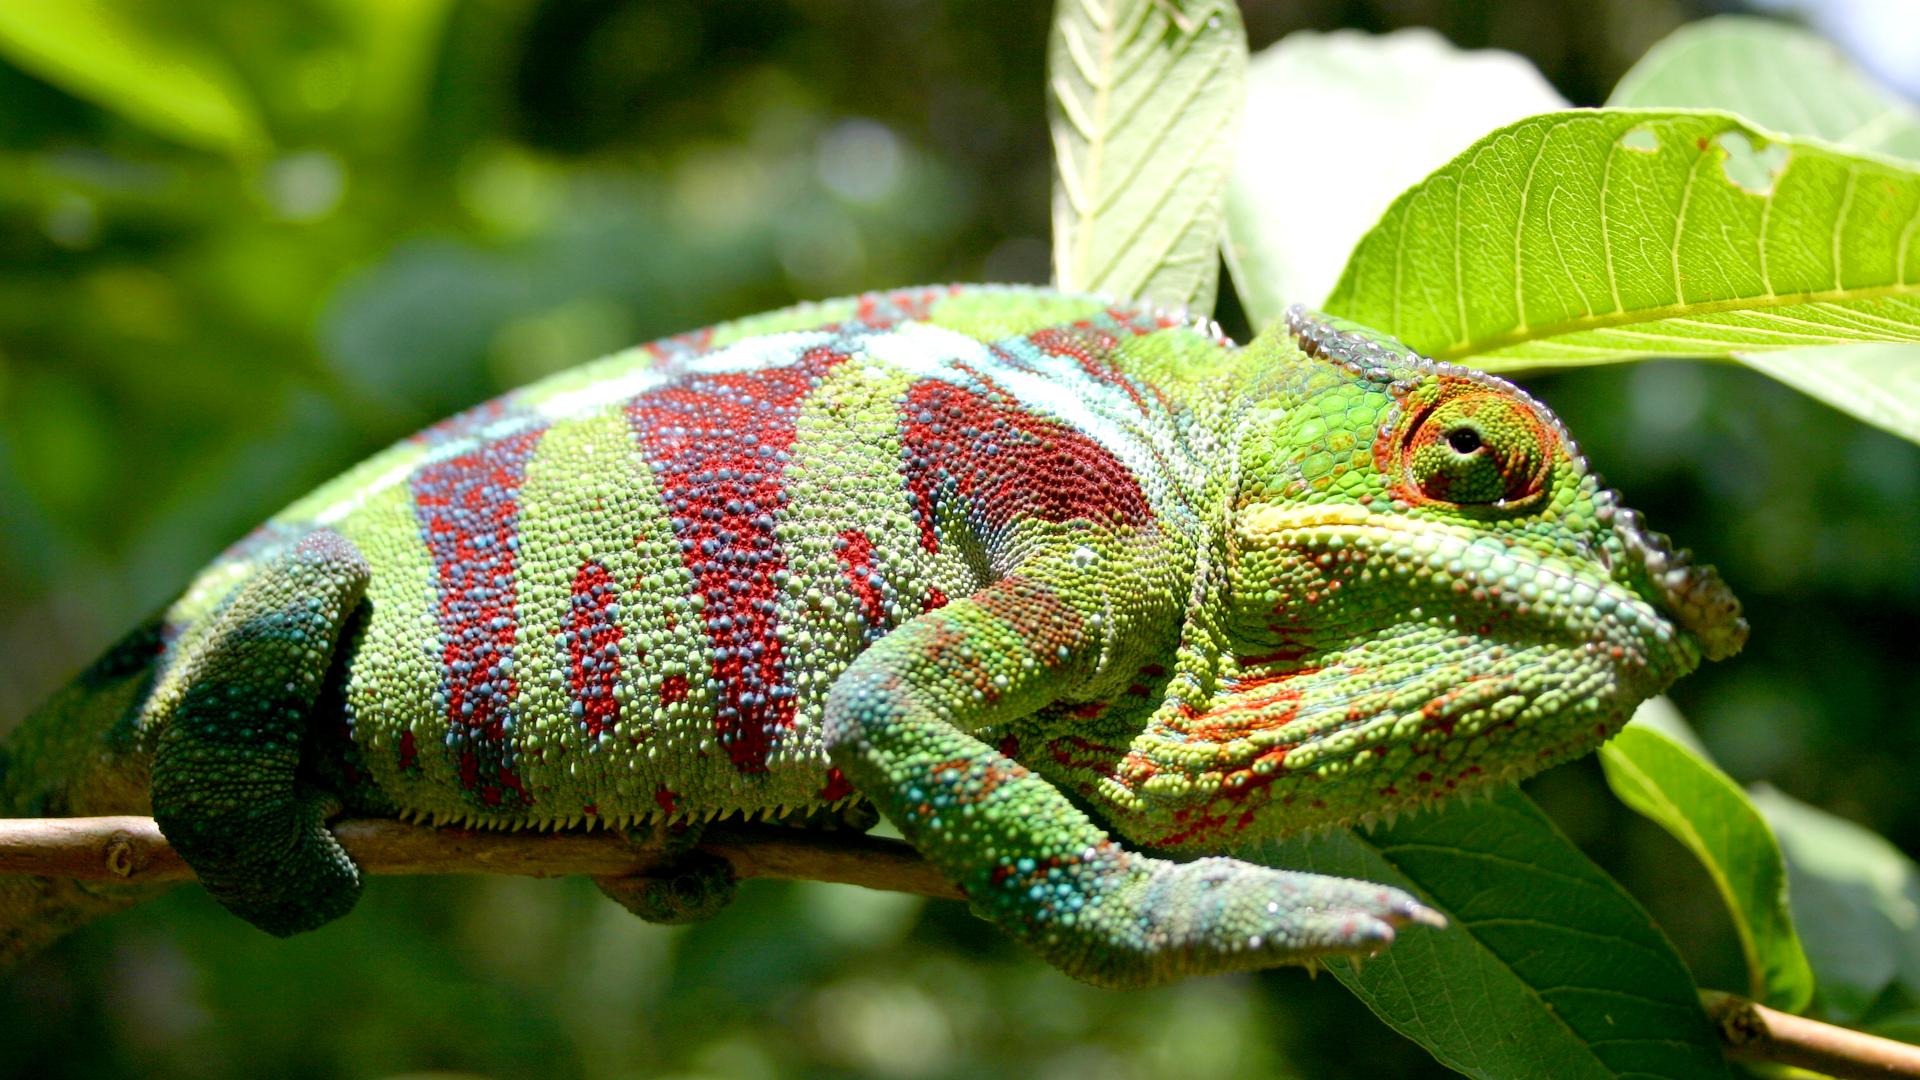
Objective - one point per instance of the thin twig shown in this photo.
(1753, 1032)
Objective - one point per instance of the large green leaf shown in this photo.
(1303, 189)
(1774, 74)
(1581, 236)
(1143, 100)
(1794, 82)
(122, 55)
(1549, 968)
(1856, 899)
(1681, 791)
(1877, 383)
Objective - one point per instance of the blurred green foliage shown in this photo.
(246, 244)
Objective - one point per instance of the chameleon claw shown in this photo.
(1424, 915)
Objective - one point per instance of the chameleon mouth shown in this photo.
(1693, 595)
(1676, 595)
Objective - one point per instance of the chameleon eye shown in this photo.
(1477, 449)
(1464, 440)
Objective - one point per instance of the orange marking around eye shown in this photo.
(1523, 469)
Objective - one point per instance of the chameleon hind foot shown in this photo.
(693, 888)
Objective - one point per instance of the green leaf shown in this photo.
(121, 55)
(1549, 968)
(1856, 900)
(1903, 1026)
(1143, 101)
(397, 42)
(1337, 125)
(1774, 74)
(1584, 236)
(1876, 383)
(1793, 81)
(1682, 792)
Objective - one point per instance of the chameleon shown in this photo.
(1078, 593)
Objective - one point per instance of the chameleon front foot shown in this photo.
(693, 888)
(1118, 919)
(1220, 914)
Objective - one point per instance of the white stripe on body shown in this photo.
(1053, 386)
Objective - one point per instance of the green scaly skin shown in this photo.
(1070, 590)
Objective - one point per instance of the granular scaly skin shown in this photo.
(1052, 581)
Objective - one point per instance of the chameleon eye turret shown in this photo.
(1052, 581)
(1468, 446)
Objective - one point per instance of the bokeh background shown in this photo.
(436, 200)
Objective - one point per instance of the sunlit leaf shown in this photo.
(1794, 82)
(1776, 75)
(1143, 101)
(1583, 236)
(118, 54)
(1548, 967)
(1336, 126)
(1684, 793)
(1877, 383)
(1856, 900)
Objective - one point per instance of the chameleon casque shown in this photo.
(1060, 585)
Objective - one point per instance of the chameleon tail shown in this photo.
(227, 788)
(79, 754)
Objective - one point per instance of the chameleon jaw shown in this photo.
(1513, 579)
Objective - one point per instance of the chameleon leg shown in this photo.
(691, 886)
(226, 786)
(900, 722)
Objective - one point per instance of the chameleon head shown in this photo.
(1428, 592)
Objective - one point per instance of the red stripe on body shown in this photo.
(881, 310)
(593, 647)
(1007, 463)
(718, 445)
(1089, 348)
(469, 515)
(855, 552)
(673, 689)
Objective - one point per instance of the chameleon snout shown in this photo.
(1693, 595)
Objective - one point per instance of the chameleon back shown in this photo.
(624, 592)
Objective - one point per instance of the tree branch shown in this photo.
(1753, 1032)
(130, 850)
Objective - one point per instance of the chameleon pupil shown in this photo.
(1463, 440)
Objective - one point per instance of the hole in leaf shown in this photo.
(1750, 168)
(1642, 139)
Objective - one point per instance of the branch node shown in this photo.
(120, 854)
